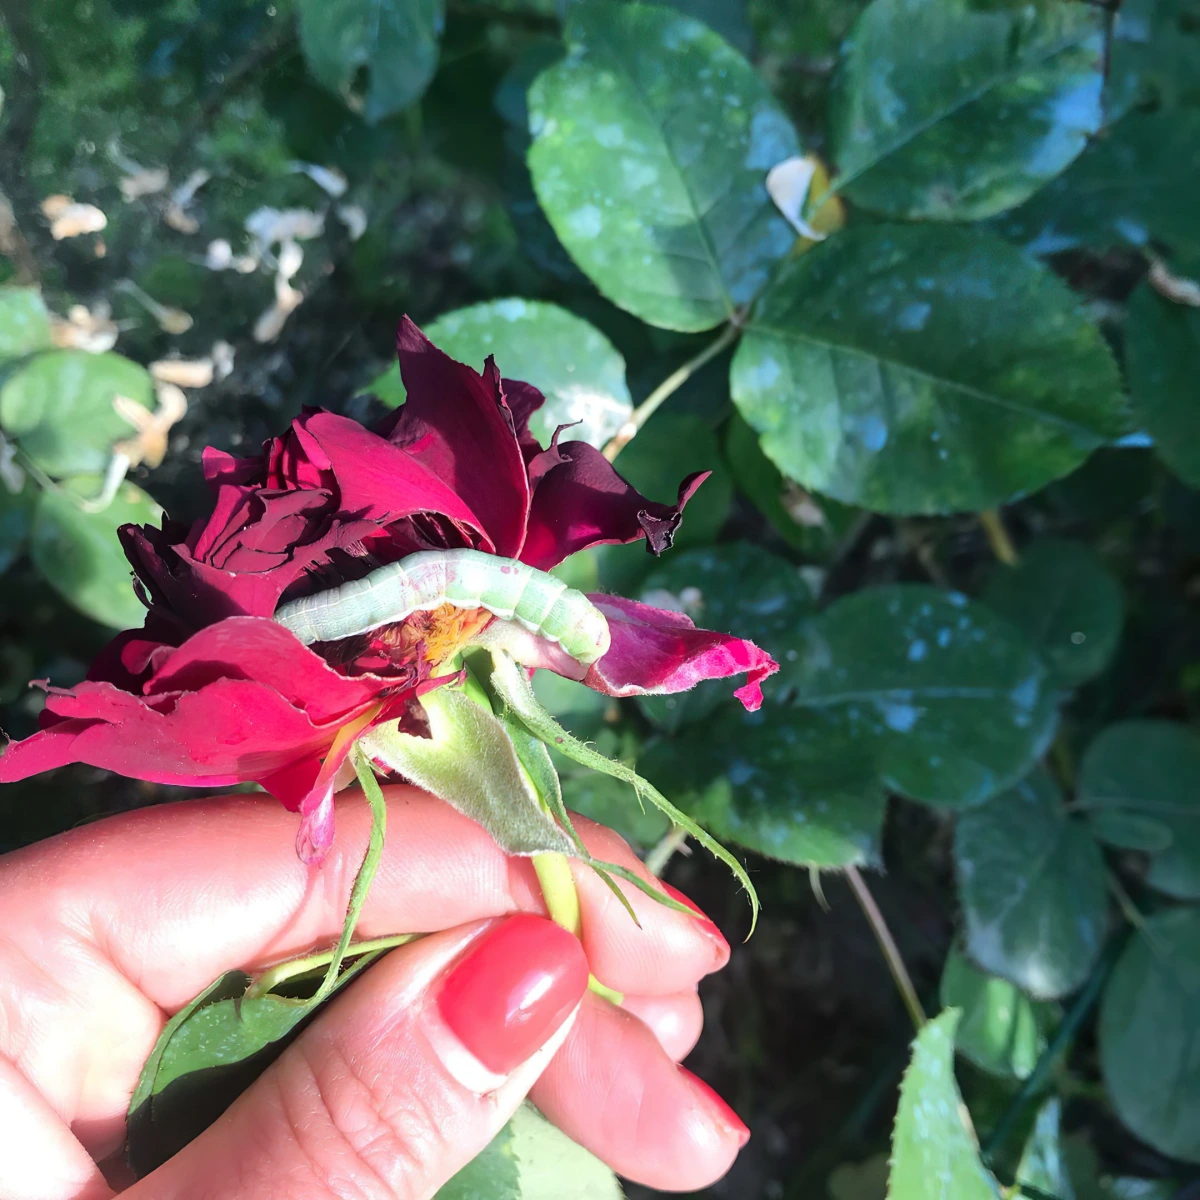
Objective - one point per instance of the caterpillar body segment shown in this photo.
(510, 590)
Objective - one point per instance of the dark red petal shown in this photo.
(582, 502)
(228, 732)
(655, 651)
(255, 648)
(379, 481)
(200, 594)
(457, 424)
(240, 700)
(523, 401)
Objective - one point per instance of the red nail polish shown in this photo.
(513, 990)
(705, 922)
(721, 1111)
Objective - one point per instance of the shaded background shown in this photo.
(431, 208)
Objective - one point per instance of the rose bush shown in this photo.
(211, 691)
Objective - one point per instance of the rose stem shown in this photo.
(272, 977)
(558, 890)
(997, 536)
(366, 872)
(553, 872)
(891, 953)
(671, 384)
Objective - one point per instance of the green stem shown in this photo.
(366, 872)
(1070, 1026)
(672, 842)
(891, 952)
(271, 978)
(668, 387)
(558, 889)
(997, 536)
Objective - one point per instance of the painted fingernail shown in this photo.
(721, 1112)
(513, 991)
(705, 923)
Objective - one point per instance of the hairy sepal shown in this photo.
(512, 685)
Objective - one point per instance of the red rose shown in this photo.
(213, 692)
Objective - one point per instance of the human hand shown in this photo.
(402, 1079)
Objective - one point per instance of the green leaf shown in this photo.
(1162, 347)
(1061, 597)
(1150, 1034)
(1156, 52)
(79, 555)
(532, 1160)
(1146, 775)
(1002, 1032)
(1134, 185)
(783, 783)
(734, 588)
(935, 1155)
(59, 407)
(16, 520)
(947, 110)
(578, 369)
(208, 1054)
(1043, 1165)
(513, 686)
(24, 323)
(922, 370)
(469, 761)
(394, 41)
(944, 696)
(652, 142)
(1031, 883)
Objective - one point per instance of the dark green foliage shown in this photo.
(579, 187)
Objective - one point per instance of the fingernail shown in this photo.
(705, 923)
(721, 1112)
(513, 990)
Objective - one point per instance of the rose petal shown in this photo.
(241, 700)
(458, 425)
(583, 502)
(654, 652)
(379, 481)
(254, 648)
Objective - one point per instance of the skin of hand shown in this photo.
(108, 929)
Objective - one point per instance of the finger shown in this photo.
(403, 1080)
(175, 895)
(112, 926)
(664, 958)
(614, 1090)
(39, 1156)
(675, 1021)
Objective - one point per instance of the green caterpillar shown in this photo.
(512, 591)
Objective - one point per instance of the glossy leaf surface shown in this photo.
(1032, 886)
(652, 141)
(945, 698)
(935, 1153)
(59, 407)
(1140, 785)
(1150, 1034)
(1063, 599)
(571, 362)
(949, 110)
(80, 557)
(394, 41)
(923, 370)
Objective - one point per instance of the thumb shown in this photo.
(402, 1080)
